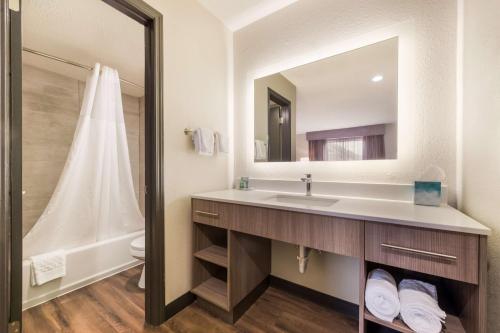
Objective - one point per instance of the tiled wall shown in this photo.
(51, 106)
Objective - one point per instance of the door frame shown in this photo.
(10, 232)
(285, 104)
(5, 214)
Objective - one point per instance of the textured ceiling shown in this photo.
(84, 31)
(237, 14)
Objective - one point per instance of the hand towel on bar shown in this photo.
(381, 295)
(47, 267)
(419, 306)
(221, 143)
(204, 142)
(260, 150)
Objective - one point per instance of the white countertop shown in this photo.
(386, 211)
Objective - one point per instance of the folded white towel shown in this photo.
(260, 150)
(47, 267)
(419, 306)
(381, 295)
(204, 142)
(221, 143)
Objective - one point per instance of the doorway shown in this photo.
(279, 127)
(12, 165)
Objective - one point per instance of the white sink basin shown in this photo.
(302, 200)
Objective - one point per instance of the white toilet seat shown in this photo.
(138, 248)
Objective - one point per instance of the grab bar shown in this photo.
(407, 249)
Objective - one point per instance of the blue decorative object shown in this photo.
(427, 193)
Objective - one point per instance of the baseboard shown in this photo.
(177, 305)
(339, 305)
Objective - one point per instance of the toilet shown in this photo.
(138, 250)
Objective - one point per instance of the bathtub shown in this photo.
(84, 265)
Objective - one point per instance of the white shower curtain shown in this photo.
(94, 198)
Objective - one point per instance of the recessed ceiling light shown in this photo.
(377, 78)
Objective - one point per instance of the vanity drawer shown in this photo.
(442, 253)
(213, 213)
(331, 234)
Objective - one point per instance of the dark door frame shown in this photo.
(5, 214)
(286, 105)
(10, 166)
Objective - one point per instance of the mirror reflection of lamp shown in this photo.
(377, 78)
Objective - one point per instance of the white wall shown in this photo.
(481, 133)
(196, 95)
(310, 30)
(301, 147)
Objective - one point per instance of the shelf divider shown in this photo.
(214, 254)
(214, 291)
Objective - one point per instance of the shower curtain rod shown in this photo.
(72, 63)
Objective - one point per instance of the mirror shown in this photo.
(340, 108)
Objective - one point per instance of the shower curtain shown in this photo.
(94, 198)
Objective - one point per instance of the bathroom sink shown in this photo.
(302, 200)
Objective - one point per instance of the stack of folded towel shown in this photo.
(416, 302)
(419, 306)
(381, 295)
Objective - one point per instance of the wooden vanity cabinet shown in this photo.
(230, 268)
(232, 251)
(232, 248)
(455, 262)
(441, 253)
(326, 233)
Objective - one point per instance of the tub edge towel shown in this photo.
(47, 267)
(419, 306)
(381, 295)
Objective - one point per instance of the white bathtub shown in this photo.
(84, 265)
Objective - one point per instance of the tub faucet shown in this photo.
(308, 180)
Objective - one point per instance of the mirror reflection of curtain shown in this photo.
(317, 150)
(373, 147)
(370, 147)
(345, 149)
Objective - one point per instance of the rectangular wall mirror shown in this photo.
(340, 108)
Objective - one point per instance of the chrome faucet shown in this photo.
(308, 180)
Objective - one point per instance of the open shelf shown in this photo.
(214, 291)
(214, 254)
(445, 288)
(452, 324)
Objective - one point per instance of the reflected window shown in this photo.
(345, 149)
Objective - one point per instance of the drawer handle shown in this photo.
(432, 254)
(207, 214)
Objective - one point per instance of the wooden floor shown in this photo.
(116, 304)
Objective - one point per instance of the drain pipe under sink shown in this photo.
(303, 258)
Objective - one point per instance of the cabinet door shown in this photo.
(447, 254)
(212, 213)
(325, 233)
